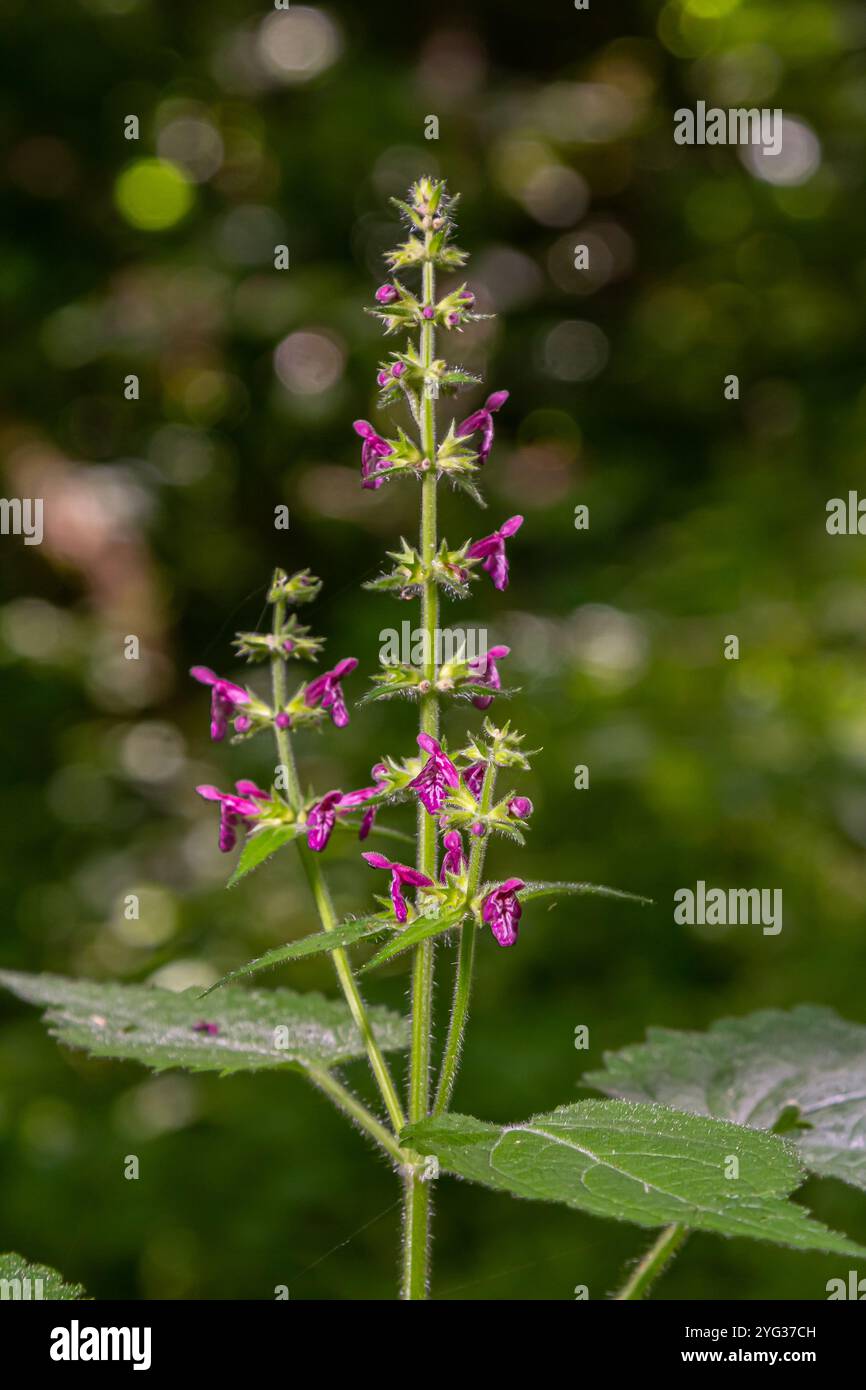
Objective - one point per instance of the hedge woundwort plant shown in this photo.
(458, 803)
(699, 1131)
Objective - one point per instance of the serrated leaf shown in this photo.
(754, 1070)
(346, 934)
(641, 1163)
(538, 889)
(161, 1029)
(21, 1280)
(419, 930)
(259, 847)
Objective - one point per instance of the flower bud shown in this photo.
(386, 294)
(283, 720)
(428, 313)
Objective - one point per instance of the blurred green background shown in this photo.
(707, 518)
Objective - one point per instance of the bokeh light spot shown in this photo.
(153, 194)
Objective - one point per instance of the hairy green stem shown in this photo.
(417, 1195)
(322, 897)
(653, 1264)
(465, 962)
(356, 1111)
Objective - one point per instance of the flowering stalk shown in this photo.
(454, 792)
(318, 886)
(417, 1192)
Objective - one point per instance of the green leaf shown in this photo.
(346, 934)
(419, 930)
(260, 847)
(805, 1067)
(640, 1163)
(19, 1279)
(140, 1023)
(595, 890)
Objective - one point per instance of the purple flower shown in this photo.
(326, 691)
(521, 807)
(386, 294)
(321, 820)
(468, 298)
(484, 671)
(373, 450)
(283, 720)
(454, 858)
(237, 809)
(322, 817)
(452, 320)
(428, 312)
(473, 778)
(401, 875)
(501, 911)
(491, 549)
(398, 369)
(225, 695)
(483, 420)
(435, 777)
(204, 1027)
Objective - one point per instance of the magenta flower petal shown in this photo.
(326, 691)
(436, 776)
(491, 549)
(454, 858)
(225, 696)
(321, 820)
(484, 671)
(473, 778)
(501, 910)
(483, 420)
(237, 809)
(400, 874)
(374, 452)
(378, 861)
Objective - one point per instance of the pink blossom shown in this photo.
(401, 875)
(454, 858)
(327, 691)
(435, 777)
(501, 910)
(374, 451)
(483, 420)
(225, 696)
(484, 671)
(237, 809)
(491, 549)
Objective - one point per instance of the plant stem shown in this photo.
(322, 897)
(351, 1106)
(417, 1192)
(654, 1262)
(465, 962)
